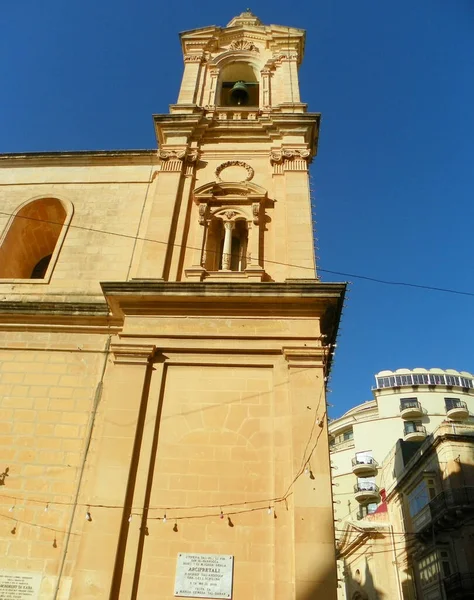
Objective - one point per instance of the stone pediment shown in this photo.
(245, 190)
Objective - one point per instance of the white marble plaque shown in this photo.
(204, 575)
(19, 586)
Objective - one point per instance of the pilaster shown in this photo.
(112, 462)
(315, 560)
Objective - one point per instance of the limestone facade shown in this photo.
(165, 342)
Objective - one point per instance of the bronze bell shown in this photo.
(239, 94)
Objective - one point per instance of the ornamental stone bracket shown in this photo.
(288, 159)
(132, 354)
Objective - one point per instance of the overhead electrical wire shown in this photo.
(378, 280)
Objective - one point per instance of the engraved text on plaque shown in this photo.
(204, 576)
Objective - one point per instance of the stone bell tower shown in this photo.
(225, 344)
(234, 154)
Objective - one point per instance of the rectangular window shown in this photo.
(452, 380)
(348, 435)
(421, 495)
(465, 382)
(420, 379)
(433, 564)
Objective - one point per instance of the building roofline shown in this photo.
(9, 158)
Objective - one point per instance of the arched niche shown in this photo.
(30, 244)
(225, 225)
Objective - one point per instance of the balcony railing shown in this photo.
(364, 466)
(459, 585)
(365, 461)
(410, 404)
(410, 408)
(366, 486)
(452, 499)
(456, 409)
(410, 428)
(445, 511)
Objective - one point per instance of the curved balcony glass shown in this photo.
(410, 408)
(414, 432)
(366, 491)
(364, 466)
(456, 409)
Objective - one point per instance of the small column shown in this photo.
(227, 251)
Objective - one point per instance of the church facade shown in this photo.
(164, 347)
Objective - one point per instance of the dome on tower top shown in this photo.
(245, 18)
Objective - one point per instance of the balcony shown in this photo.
(414, 432)
(459, 586)
(366, 492)
(456, 409)
(364, 466)
(448, 510)
(410, 409)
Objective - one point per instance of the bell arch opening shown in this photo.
(239, 85)
(30, 244)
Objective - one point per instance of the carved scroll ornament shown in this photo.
(278, 156)
(173, 154)
(190, 156)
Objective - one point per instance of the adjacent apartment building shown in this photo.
(164, 346)
(419, 544)
(408, 407)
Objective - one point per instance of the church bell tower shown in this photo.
(226, 341)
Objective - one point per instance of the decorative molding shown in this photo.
(287, 56)
(304, 357)
(194, 58)
(235, 163)
(133, 354)
(243, 45)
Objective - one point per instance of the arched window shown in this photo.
(32, 238)
(238, 85)
(226, 244)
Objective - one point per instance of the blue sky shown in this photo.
(393, 181)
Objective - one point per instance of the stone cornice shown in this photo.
(272, 126)
(64, 316)
(53, 308)
(17, 159)
(309, 298)
(303, 356)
